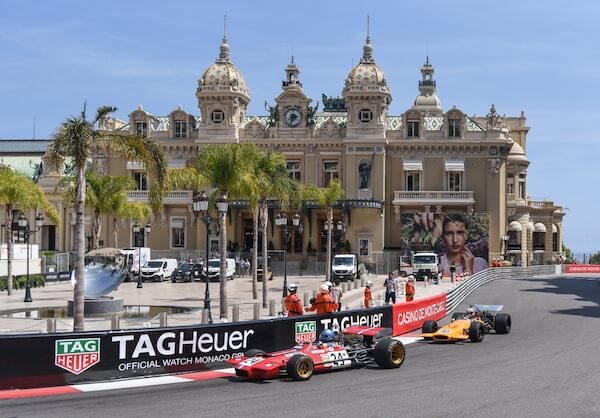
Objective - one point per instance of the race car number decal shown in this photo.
(337, 359)
(251, 361)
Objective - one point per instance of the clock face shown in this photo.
(293, 117)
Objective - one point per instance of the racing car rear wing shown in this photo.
(369, 334)
(488, 308)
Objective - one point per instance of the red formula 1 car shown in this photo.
(357, 346)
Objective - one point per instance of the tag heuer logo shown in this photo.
(306, 331)
(77, 355)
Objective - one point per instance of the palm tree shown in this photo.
(228, 169)
(108, 195)
(273, 182)
(76, 138)
(327, 197)
(19, 191)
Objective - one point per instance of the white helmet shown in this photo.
(324, 287)
(328, 283)
(369, 283)
(470, 312)
(292, 287)
(411, 277)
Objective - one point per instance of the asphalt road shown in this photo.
(548, 366)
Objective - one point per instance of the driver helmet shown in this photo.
(292, 287)
(369, 283)
(324, 288)
(327, 336)
(411, 277)
(470, 313)
(328, 283)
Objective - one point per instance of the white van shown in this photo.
(159, 269)
(344, 267)
(214, 268)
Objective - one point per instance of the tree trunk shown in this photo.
(329, 233)
(78, 292)
(255, 253)
(264, 215)
(9, 248)
(97, 228)
(223, 308)
(115, 230)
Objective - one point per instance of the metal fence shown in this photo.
(456, 295)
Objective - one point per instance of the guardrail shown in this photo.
(459, 293)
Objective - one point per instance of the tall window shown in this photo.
(180, 129)
(141, 180)
(453, 128)
(138, 238)
(412, 128)
(177, 233)
(522, 186)
(141, 128)
(293, 170)
(510, 185)
(454, 181)
(330, 172)
(413, 181)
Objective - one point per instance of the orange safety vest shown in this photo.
(293, 305)
(368, 297)
(324, 304)
(410, 290)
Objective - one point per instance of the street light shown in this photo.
(145, 230)
(281, 221)
(200, 207)
(24, 225)
(505, 238)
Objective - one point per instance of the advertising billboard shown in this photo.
(458, 238)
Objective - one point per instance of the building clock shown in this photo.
(292, 117)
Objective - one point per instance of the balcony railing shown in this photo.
(433, 198)
(173, 197)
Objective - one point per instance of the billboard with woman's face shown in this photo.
(459, 239)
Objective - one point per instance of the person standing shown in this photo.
(410, 288)
(391, 287)
(368, 295)
(323, 303)
(452, 271)
(336, 294)
(293, 306)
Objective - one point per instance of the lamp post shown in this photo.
(505, 239)
(145, 230)
(282, 222)
(200, 207)
(27, 232)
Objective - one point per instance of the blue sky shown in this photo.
(541, 58)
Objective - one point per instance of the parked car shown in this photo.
(159, 269)
(188, 272)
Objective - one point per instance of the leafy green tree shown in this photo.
(76, 137)
(328, 198)
(273, 182)
(595, 258)
(227, 169)
(17, 191)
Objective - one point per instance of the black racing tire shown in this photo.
(502, 323)
(389, 353)
(429, 327)
(253, 352)
(300, 367)
(476, 332)
(457, 315)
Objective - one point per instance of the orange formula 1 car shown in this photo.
(470, 325)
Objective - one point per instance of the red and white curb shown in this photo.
(138, 382)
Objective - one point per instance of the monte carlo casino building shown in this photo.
(393, 169)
